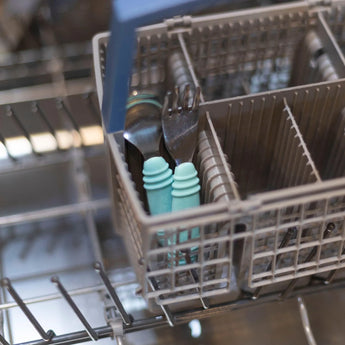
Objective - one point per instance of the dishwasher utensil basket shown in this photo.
(270, 155)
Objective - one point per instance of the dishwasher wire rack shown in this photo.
(272, 84)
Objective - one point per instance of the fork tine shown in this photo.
(180, 129)
(186, 97)
(167, 105)
(176, 96)
(196, 99)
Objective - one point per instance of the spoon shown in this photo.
(143, 129)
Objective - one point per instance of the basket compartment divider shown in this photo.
(336, 162)
(218, 181)
(218, 185)
(291, 155)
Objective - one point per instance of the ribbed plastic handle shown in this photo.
(126, 17)
(186, 187)
(186, 193)
(158, 185)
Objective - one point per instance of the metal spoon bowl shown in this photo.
(143, 125)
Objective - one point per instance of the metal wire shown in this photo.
(305, 321)
(45, 335)
(90, 331)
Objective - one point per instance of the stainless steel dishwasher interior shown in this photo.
(56, 220)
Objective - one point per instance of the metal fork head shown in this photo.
(180, 124)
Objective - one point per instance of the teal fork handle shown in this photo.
(185, 188)
(186, 194)
(158, 185)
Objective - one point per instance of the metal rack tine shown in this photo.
(2, 140)
(90, 331)
(11, 113)
(60, 104)
(3, 341)
(94, 110)
(36, 109)
(329, 229)
(289, 235)
(113, 295)
(45, 335)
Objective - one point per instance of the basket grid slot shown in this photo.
(256, 55)
(149, 67)
(103, 55)
(125, 218)
(210, 261)
(131, 223)
(305, 253)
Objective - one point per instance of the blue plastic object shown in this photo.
(158, 184)
(126, 17)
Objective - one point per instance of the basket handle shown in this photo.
(126, 17)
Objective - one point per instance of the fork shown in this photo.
(180, 123)
(180, 131)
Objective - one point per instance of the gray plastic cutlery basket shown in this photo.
(270, 154)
